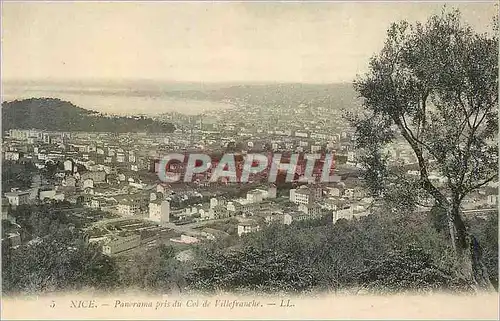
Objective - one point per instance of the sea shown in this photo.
(148, 98)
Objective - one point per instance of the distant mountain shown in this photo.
(341, 96)
(57, 115)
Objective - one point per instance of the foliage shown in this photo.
(437, 216)
(54, 255)
(228, 225)
(252, 268)
(486, 230)
(315, 222)
(56, 115)
(57, 262)
(153, 270)
(370, 252)
(434, 88)
(332, 256)
(410, 270)
(17, 175)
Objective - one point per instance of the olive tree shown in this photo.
(434, 88)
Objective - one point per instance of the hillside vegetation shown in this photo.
(57, 115)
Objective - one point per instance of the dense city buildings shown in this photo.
(117, 174)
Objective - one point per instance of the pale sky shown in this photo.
(208, 42)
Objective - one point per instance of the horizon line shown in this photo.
(165, 80)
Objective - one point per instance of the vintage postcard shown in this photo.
(249, 160)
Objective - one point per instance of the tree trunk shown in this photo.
(468, 251)
(451, 229)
